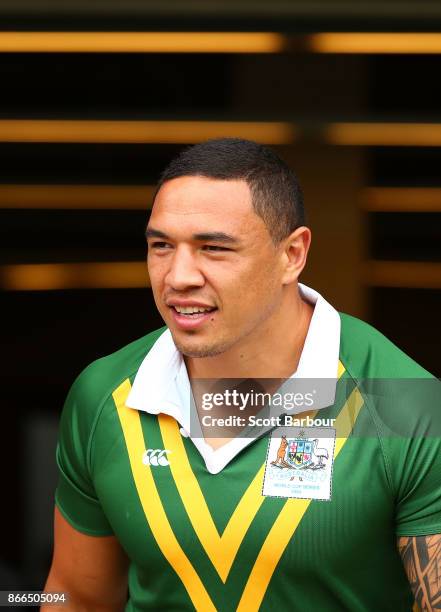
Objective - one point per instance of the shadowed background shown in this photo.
(96, 98)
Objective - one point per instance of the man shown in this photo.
(178, 520)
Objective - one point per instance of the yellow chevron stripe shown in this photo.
(285, 526)
(341, 369)
(272, 549)
(152, 506)
(221, 550)
(345, 421)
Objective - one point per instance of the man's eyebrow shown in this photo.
(215, 237)
(154, 233)
(200, 237)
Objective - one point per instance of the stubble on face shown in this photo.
(208, 350)
(221, 345)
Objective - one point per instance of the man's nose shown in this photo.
(184, 272)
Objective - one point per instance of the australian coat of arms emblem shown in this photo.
(300, 453)
(299, 464)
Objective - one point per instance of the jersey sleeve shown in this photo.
(410, 422)
(75, 495)
(418, 509)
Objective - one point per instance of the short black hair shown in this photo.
(276, 194)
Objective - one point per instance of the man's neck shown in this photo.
(273, 351)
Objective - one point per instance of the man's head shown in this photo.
(276, 195)
(225, 235)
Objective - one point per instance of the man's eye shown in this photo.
(214, 248)
(159, 245)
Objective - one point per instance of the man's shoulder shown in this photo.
(401, 397)
(367, 353)
(100, 378)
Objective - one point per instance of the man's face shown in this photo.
(209, 250)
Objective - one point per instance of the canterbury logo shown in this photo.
(155, 457)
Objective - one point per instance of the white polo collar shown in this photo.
(162, 385)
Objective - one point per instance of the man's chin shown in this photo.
(198, 352)
(198, 349)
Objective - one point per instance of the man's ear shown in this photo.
(295, 252)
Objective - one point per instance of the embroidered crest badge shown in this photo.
(299, 463)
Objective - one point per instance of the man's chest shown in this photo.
(173, 516)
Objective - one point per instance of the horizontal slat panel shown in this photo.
(47, 277)
(28, 130)
(183, 132)
(219, 42)
(141, 42)
(121, 197)
(411, 274)
(401, 199)
(375, 42)
(384, 134)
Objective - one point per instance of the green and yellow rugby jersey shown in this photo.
(205, 541)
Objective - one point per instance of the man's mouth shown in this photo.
(191, 317)
(193, 311)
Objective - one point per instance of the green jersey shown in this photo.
(214, 541)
